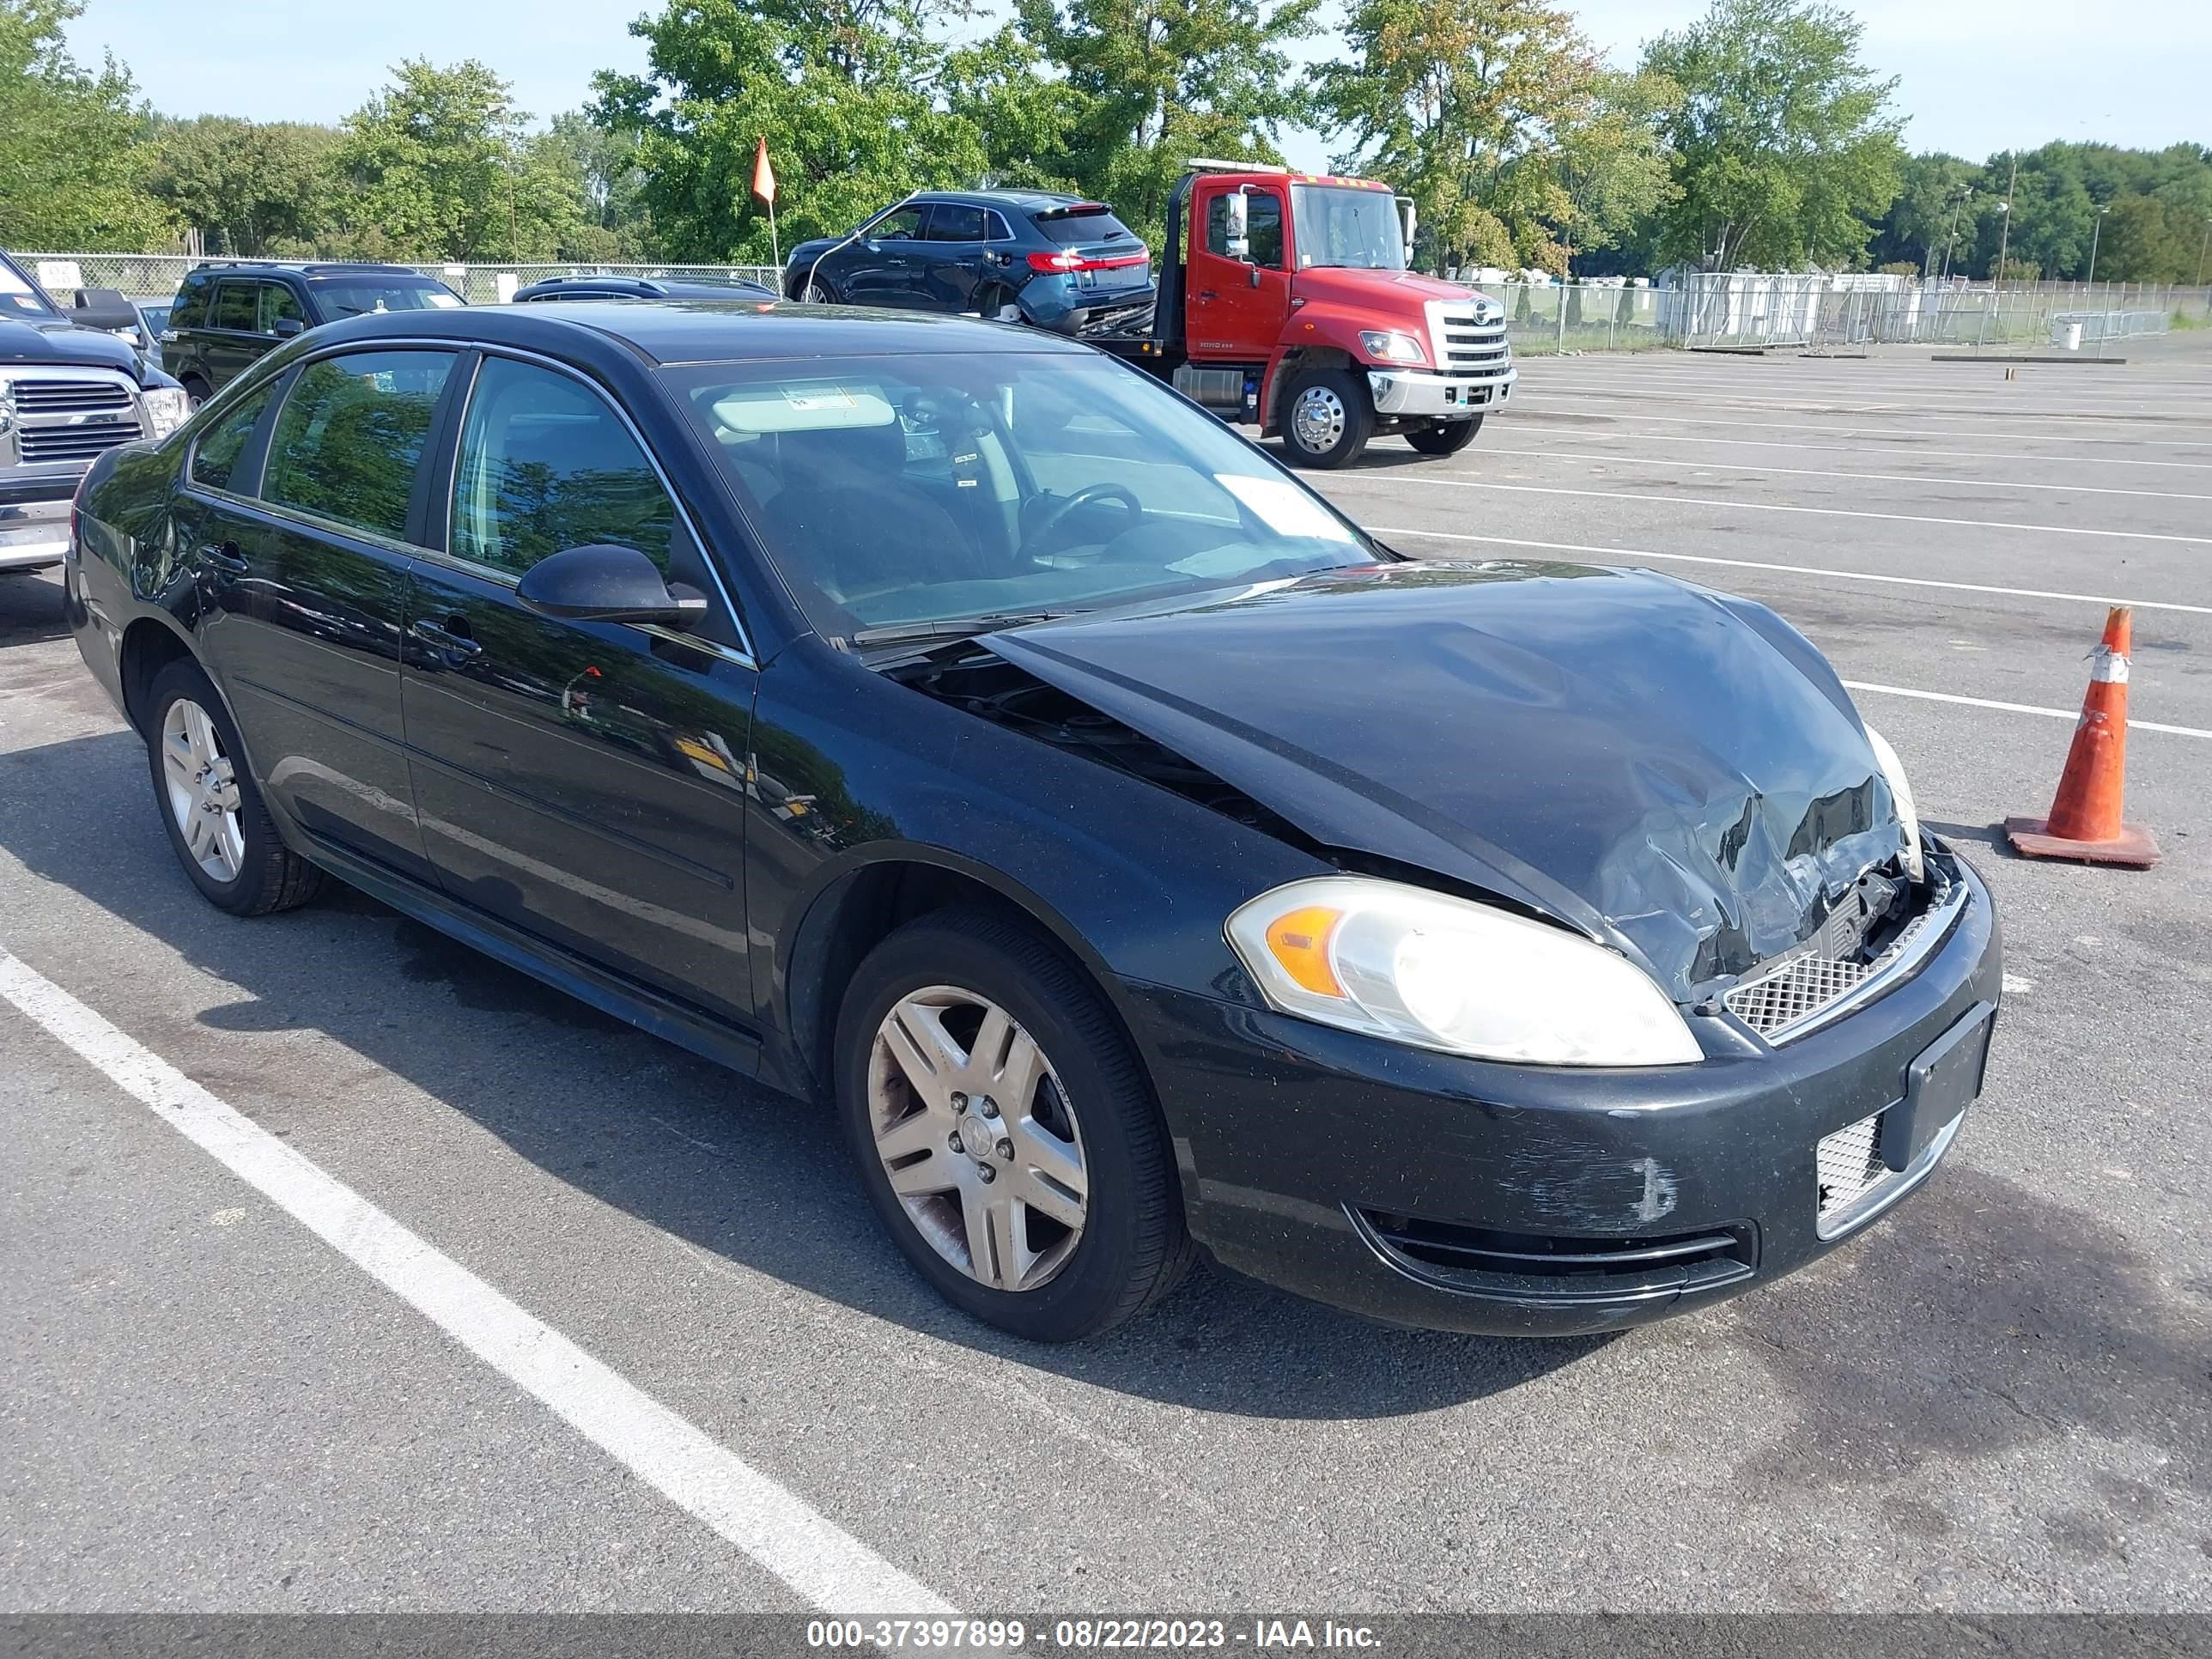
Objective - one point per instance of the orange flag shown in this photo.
(764, 175)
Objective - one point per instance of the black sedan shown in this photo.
(602, 285)
(1016, 256)
(956, 726)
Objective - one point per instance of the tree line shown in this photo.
(1756, 136)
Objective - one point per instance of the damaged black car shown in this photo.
(1135, 857)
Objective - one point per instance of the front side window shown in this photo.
(1338, 225)
(949, 222)
(278, 302)
(216, 457)
(234, 305)
(350, 436)
(897, 490)
(1263, 226)
(899, 227)
(545, 465)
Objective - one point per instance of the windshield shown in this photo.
(1338, 225)
(356, 298)
(897, 491)
(19, 294)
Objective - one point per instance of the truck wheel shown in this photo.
(1445, 437)
(1327, 418)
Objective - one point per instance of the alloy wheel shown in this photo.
(202, 790)
(1317, 420)
(977, 1138)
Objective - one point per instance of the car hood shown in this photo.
(1350, 285)
(56, 340)
(1676, 773)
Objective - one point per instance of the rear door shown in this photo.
(233, 337)
(884, 267)
(951, 256)
(1237, 307)
(303, 558)
(585, 782)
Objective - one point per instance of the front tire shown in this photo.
(218, 825)
(1446, 437)
(1327, 418)
(1006, 1131)
(813, 291)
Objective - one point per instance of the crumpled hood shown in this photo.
(1677, 773)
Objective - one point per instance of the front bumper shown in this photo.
(1429, 394)
(35, 536)
(1432, 1191)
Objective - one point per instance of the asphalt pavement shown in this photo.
(1999, 1398)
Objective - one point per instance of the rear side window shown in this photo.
(350, 436)
(216, 457)
(234, 305)
(191, 310)
(278, 303)
(949, 222)
(545, 465)
(1074, 226)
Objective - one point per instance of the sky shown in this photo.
(1975, 77)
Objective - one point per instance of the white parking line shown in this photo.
(1784, 506)
(809, 1553)
(1522, 399)
(1904, 442)
(2134, 724)
(1831, 472)
(1896, 411)
(1612, 555)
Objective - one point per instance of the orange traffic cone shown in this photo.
(2085, 818)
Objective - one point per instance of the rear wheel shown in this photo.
(196, 389)
(1445, 437)
(1005, 1131)
(220, 829)
(1327, 418)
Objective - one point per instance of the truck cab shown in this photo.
(1285, 302)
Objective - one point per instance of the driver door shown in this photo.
(1237, 307)
(885, 267)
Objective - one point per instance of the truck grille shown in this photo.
(1465, 346)
(67, 418)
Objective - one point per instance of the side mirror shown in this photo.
(288, 326)
(1238, 228)
(601, 583)
(1407, 219)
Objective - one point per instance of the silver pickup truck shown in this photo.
(69, 390)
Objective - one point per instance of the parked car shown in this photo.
(227, 317)
(591, 286)
(153, 320)
(1058, 262)
(69, 390)
(950, 723)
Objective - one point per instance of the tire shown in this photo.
(1327, 418)
(264, 875)
(1089, 1097)
(813, 291)
(196, 389)
(1446, 437)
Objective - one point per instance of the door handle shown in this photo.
(1207, 294)
(452, 637)
(225, 555)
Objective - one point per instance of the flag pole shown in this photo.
(773, 241)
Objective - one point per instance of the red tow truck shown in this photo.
(1285, 303)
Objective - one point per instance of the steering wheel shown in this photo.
(1083, 498)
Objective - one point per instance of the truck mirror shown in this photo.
(1238, 227)
(1407, 219)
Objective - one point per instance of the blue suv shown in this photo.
(1059, 262)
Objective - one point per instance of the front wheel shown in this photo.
(1005, 1131)
(815, 292)
(1445, 437)
(1327, 418)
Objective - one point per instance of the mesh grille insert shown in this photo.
(1795, 991)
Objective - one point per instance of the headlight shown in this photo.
(1389, 346)
(1440, 972)
(166, 409)
(1893, 769)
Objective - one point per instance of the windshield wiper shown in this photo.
(951, 628)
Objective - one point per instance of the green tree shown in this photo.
(1152, 83)
(1782, 149)
(1930, 215)
(70, 142)
(248, 187)
(605, 162)
(1502, 122)
(1029, 119)
(439, 168)
(844, 93)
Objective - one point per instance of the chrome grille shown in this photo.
(34, 398)
(1850, 1163)
(1794, 994)
(72, 443)
(1464, 345)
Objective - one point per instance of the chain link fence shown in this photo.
(1700, 310)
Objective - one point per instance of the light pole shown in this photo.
(1951, 236)
(2200, 246)
(1997, 279)
(2097, 231)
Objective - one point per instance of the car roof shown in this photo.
(648, 287)
(1028, 200)
(663, 331)
(303, 268)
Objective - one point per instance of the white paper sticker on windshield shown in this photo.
(1284, 507)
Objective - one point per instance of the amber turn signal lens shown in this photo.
(1300, 942)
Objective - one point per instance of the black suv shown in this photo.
(611, 286)
(1059, 262)
(227, 316)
